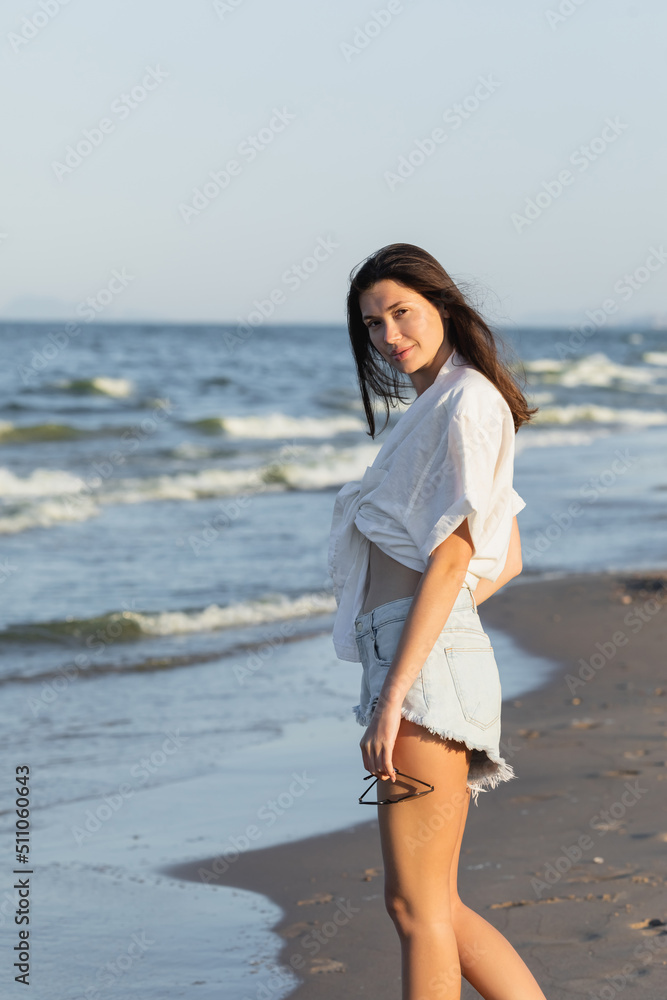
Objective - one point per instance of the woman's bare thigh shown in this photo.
(421, 837)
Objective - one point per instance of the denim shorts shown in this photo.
(457, 693)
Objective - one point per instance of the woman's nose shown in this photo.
(391, 333)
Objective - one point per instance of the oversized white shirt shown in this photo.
(449, 456)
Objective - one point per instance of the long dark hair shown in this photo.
(466, 330)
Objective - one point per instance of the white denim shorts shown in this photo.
(457, 693)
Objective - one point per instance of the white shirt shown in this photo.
(449, 456)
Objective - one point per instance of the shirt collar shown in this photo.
(455, 360)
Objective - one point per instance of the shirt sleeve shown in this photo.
(518, 503)
(469, 475)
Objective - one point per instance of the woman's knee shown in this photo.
(408, 914)
(407, 910)
(398, 908)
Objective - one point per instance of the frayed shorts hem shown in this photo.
(487, 770)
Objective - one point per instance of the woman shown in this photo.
(425, 536)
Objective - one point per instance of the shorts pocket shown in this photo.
(386, 638)
(475, 676)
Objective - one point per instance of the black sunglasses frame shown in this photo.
(390, 802)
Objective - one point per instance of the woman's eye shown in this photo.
(374, 321)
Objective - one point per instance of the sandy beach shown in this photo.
(567, 860)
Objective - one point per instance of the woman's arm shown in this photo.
(431, 606)
(513, 566)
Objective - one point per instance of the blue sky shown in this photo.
(343, 127)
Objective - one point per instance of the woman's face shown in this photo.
(406, 329)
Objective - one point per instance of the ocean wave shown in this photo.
(11, 434)
(591, 370)
(40, 482)
(101, 384)
(45, 514)
(70, 498)
(547, 437)
(128, 626)
(538, 398)
(273, 608)
(43, 499)
(50, 496)
(655, 357)
(207, 483)
(326, 467)
(307, 469)
(538, 365)
(278, 425)
(592, 413)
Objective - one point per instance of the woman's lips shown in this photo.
(402, 354)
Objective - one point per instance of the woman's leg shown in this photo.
(419, 841)
(441, 939)
(488, 960)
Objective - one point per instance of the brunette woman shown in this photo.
(427, 535)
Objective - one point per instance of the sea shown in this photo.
(167, 673)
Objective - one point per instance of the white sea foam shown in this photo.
(46, 514)
(104, 384)
(599, 370)
(329, 467)
(190, 485)
(275, 607)
(280, 425)
(311, 468)
(44, 498)
(40, 482)
(593, 413)
(593, 369)
(546, 437)
(544, 365)
(655, 357)
(538, 398)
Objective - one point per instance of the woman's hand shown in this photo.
(377, 743)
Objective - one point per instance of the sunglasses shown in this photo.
(388, 802)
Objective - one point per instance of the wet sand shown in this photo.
(568, 860)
